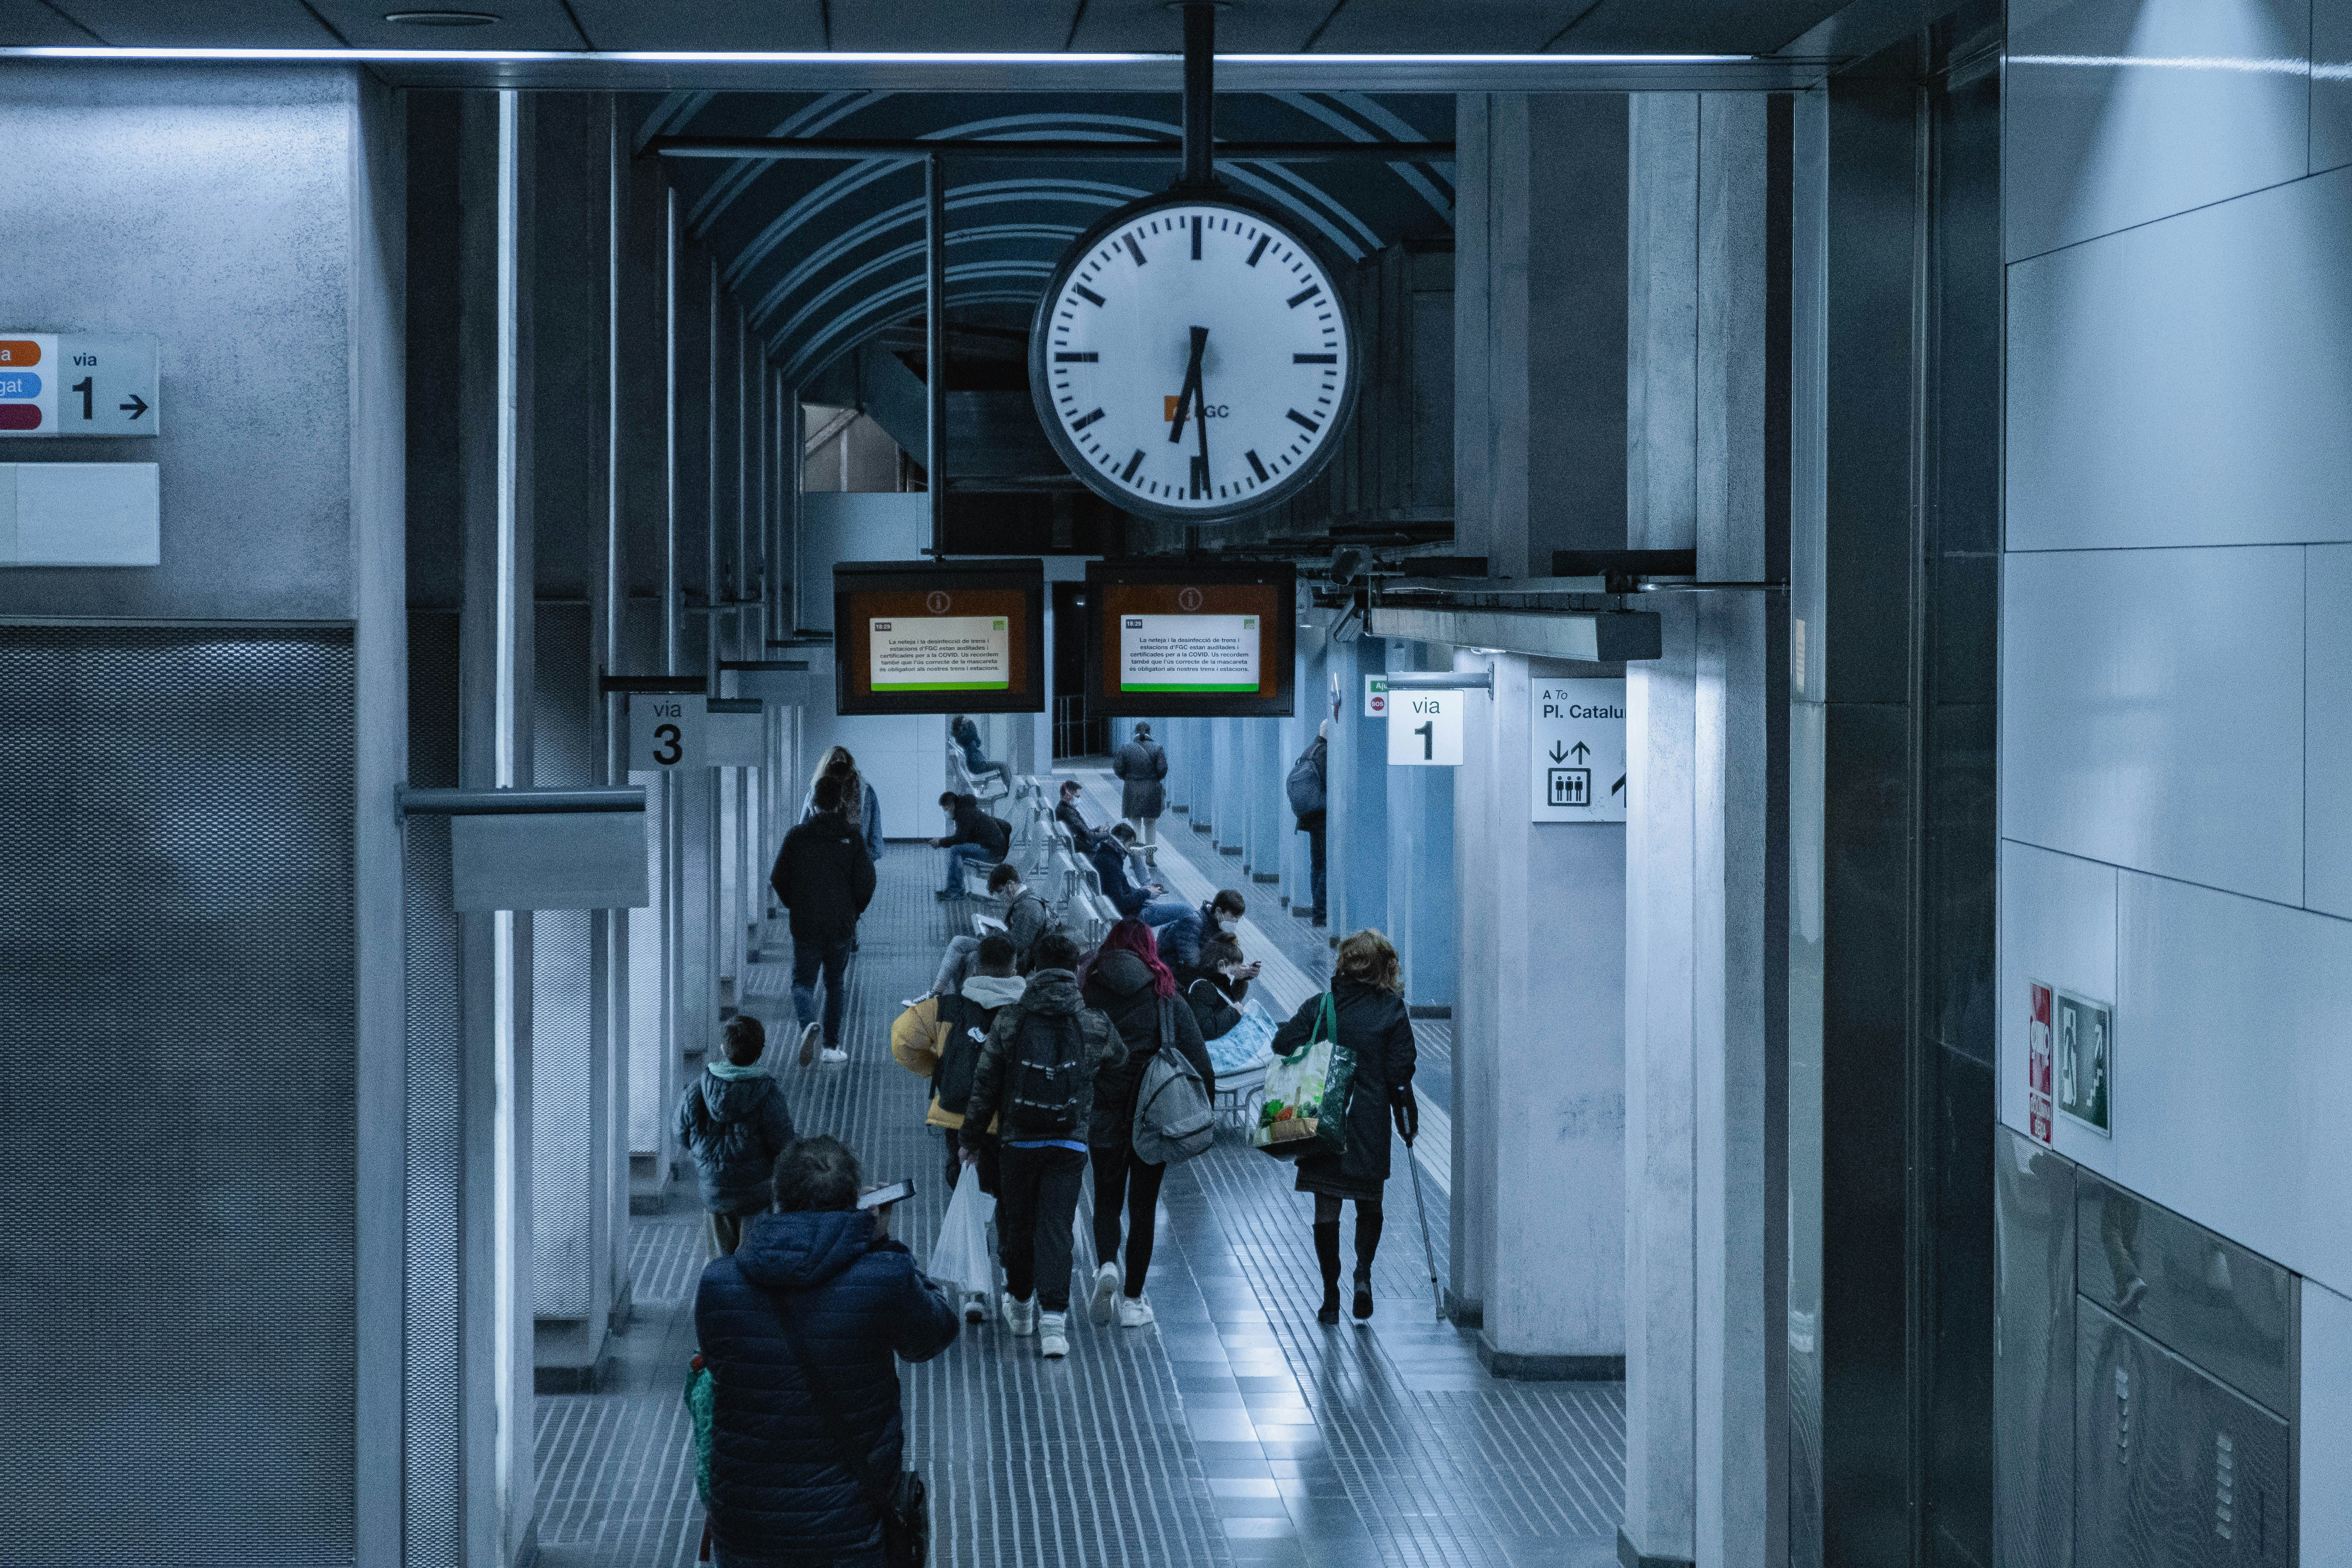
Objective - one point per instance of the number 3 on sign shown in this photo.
(666, 732)
(1425, 728)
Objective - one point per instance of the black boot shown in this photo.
(1326, 1255)
(1368, 1243)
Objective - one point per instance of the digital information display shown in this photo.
(1190, 639)
(919, 637)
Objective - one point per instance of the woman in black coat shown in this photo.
(1127, 981)
(1366, 986)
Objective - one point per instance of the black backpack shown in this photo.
(1046, 1093)
(966, 1023)
(1305, 785)
(999, 839)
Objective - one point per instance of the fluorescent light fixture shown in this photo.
(825, 57)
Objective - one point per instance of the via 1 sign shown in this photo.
(1425, 728)
(667, 732)
(71, 384)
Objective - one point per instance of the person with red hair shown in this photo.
(1126, 980)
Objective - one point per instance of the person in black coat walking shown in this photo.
(822, 877)
(1366, 987)
(1127, 983)
(1141, 769)
(735, 1122)
(817, 1287)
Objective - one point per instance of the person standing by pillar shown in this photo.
(1366, 986)
(1141, 767)
(1306, 787)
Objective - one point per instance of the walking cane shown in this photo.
(1428, 1253)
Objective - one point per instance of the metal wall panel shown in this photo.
(431, 1479)
(566, 748)
(2034, 1360)
(177, 1095)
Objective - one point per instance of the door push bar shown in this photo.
(410, 802)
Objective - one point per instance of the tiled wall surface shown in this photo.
(2176, 600)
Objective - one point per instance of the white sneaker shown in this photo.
(1134, 1312)
(1053, 1336)
(831, 1056)
(811, 1034)
(1020, 1317)
(1105, 1290)
(976, 1307)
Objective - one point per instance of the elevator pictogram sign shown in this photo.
(1576, 731)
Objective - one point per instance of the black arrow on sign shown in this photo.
(1580, 748)
(1557, 754)
(135, 407)
(1618, 785)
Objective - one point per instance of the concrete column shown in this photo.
(495, 685)
(1269, 811)
(1540, 328)
(1354, 842)
(1232, 812)
(1698, 1309)
(1421, 859)
(1538, 1197)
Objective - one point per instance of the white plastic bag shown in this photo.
(959, 1258)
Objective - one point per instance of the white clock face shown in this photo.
(1194, 361)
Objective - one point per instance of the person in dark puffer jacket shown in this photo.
(735, 1122)
(781, 1492)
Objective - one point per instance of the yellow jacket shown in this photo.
(917, 1038)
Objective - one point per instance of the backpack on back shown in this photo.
(964, 1025)
(1046, 1090)
(1173, 1117)
(999, 836)
(1305, 785)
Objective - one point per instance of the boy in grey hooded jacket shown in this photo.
(734, 1119)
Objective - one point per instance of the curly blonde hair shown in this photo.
(1368, 958)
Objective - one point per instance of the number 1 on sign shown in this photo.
(1428, 733)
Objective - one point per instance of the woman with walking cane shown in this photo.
(1372, 1026)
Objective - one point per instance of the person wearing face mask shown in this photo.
(1181, 937)
(1215, 987)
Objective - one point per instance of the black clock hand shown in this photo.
(1190, 396)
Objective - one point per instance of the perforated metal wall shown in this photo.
(430, 1433)
(568, 750)
(177, 1096)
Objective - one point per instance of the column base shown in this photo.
(1464, 1314)
(1628, 1557)
(571, 1356)
(1517, 1368)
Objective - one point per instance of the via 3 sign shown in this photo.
(67, 383)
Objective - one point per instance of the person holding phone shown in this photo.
(816, 1292)
(1134, 900)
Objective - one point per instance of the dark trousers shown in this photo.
(1312, 825)
(1120, 1174)
(984, 1156)
(1036, 1203)
(809, 956)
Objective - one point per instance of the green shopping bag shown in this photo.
(701, 1402)
(1306, 1093)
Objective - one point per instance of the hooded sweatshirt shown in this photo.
(1121, 984)
(934, 1039)
(1052, 993)
(779, 1478)
(735, 1120)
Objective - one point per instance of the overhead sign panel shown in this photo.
(924, 636)
(1577, 760)
(1425, 728)
(1191, 639)
(77, 383)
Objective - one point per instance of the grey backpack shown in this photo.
(1172, 1119)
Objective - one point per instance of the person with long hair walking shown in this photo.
(1367, 986)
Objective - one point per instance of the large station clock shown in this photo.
(1190, 359)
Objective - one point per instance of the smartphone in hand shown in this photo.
(882, 1198)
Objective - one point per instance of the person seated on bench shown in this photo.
(1133, 900)
(1026, 917)
(1181, 939)
(1072, 816)
(966, 735)
(979, 839)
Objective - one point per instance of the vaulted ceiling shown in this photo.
(822, 254)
